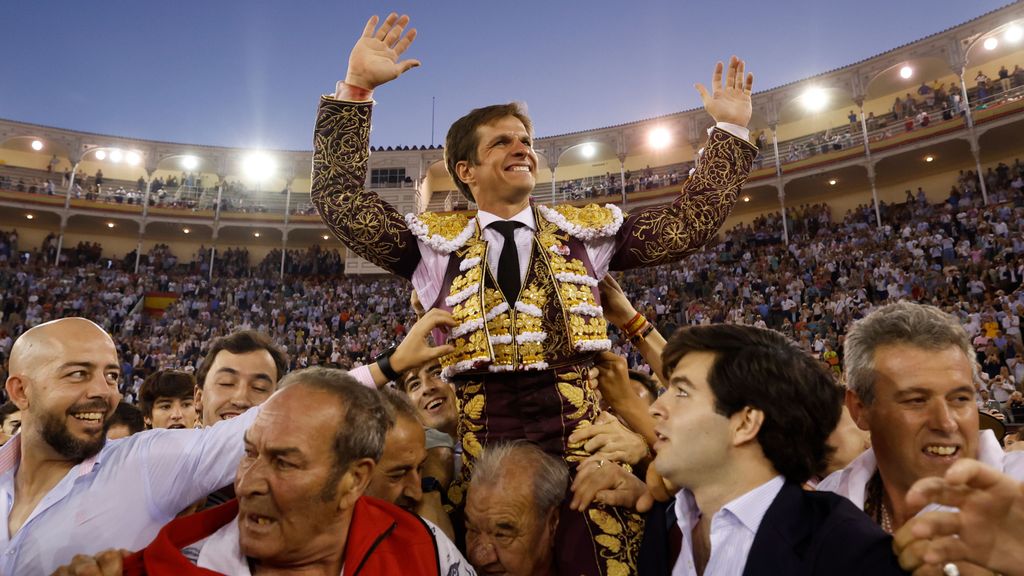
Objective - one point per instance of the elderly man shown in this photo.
(512, 511)
(735, 433)
(520, 279)
(910, 374)
(309, 456)
(63, 488)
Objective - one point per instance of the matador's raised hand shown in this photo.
(729, 101)
(374, 59)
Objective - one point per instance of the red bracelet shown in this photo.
(634, 324)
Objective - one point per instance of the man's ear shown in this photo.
(464, 172)
(858, 411)
(17, 391)
(552, 521)
(198, 401)
(746, 424)
(354, 481)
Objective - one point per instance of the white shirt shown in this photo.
(222, 553)
(852, 481)
(733, 529)
(119, 498)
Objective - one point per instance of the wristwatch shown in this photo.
(384, 363)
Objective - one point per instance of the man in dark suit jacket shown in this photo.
(744, 423)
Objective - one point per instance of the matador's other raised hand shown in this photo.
(729, 100)
(374, 59)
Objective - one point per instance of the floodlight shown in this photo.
(101, 155)
(29, 216)
(259, 166)
(133, 158)
(746, 198)
(991, 43)
(116, 155)
(185, 230)
(1014, 33)
(110, 224)
(37, 145)
(659, 138)
(588, 150)
(814, 99)
(832, 182)
(256, 234)
(929, 158)
(189, 162)
(906, 72)
(326, 237)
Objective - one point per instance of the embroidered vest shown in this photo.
(557, 318)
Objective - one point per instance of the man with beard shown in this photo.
(167, 400)
(63, 489)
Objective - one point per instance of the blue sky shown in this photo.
(249, 73)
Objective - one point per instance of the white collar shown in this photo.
(525, 217)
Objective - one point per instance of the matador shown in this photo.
(520, 278)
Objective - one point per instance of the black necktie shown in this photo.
(508, 261)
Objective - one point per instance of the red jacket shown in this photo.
(382, 539)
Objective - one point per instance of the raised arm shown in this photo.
(665, 234)
(363, 221)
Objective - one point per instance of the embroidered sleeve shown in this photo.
(364, 222)
(665, 234)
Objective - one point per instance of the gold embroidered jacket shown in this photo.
(376, 231)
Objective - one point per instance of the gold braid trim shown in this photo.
(364, 222)
(666, 234)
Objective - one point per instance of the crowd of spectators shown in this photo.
(958, 254)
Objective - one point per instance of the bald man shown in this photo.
(64, 489)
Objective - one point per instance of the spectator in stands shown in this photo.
(321, 436)
(512, 511)
(125, 421)
(911, 381)
(63, 376)
(167, 400)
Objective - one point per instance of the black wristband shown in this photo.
(384, 363)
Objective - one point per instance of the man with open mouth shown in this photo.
(911, 374)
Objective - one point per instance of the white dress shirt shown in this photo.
(733, 529)
(119, 498)
(852, 481)
(221, 552)
(428, 277)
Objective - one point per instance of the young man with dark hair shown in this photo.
(743, 424)
(10, 421)
(167, 400)
(239, 371)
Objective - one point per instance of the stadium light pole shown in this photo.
(287, 213)
(216, 222)
(871, 167)
(971, 133)
(67, 196)
(780, 185)
(145, 214)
